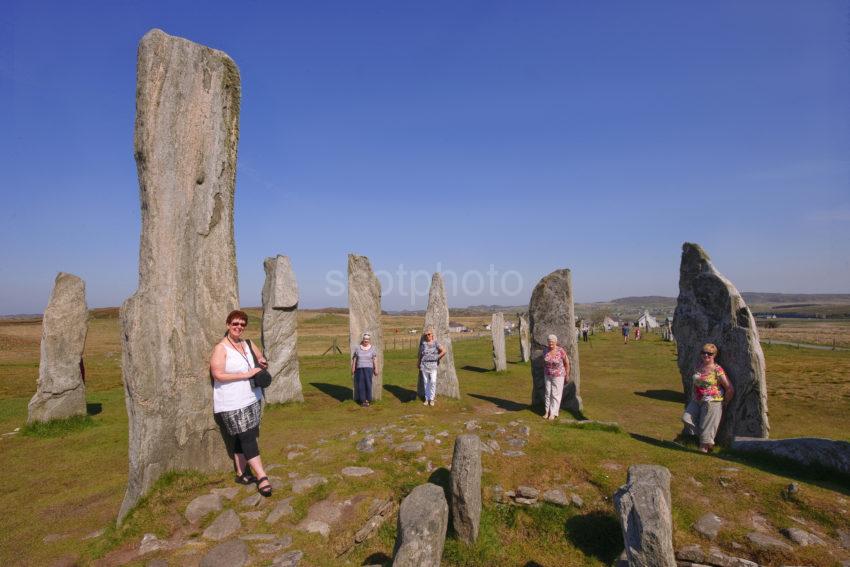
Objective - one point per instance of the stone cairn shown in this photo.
(466, 487)
(552, 312)
(497, 329)
(423, 518)
(710, 310)
(61, 391)
(437, 316)
(524, 338)
(186, 136)
(364, 312)
(280, 330)
(643, 505)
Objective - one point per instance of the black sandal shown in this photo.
(245, 478)
(264, 490)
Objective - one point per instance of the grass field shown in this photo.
(63, 486)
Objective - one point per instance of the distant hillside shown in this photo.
(755, 297)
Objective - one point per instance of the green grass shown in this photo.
(81, 472)
(58, 427)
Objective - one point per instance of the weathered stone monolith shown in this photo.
(186, 135)
(423, 518)
(61, 391)
(551, 312)
(643, 505)
(280, 331)
(437, 316)
(497, 329)
(710, 310)
(524, 338)
(364, 312)
(466, 487)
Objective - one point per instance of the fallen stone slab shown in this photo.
(201, 506)
(808, 451)
(225, 525)
(421, 533)
(801, 537)
(643, 505)
(231, 553)
(764, 541)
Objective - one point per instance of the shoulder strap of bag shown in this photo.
(253, 356)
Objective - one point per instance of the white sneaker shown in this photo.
(425, 403)
(431, 403)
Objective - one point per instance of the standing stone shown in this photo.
(186, 134)
(466, 487)
(437, 316)
(364, 312)
(552, 312)
(280, 331)
(497, 328)
(423, 518)
(524, 338)
(61, 392)
(643, 504)
(710, 310)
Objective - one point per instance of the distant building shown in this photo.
(455, 327)
(647, 321)
(608, 323)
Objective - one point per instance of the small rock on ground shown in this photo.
(556, 497)
(303, 485)
(282, 509)
(410, 447)
(226, 524)
(275, 546)
(708, 525)
(288, 559)
(231, 553)
(527, 492)
(357, 471)
(765, 541)
(801, 537)
(513, 453)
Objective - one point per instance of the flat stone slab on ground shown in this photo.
(233, 553)
(513, 453)
(275, 546)
(303, 485)
(357, 471)
(708, 525)
(765, 541)
(527, 492)
(801, 537)
(556, 497)
(288, 559)
(223, 526)
(410, 447)
(281, 509)
(230, 492)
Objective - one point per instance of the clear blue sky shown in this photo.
(531, 136)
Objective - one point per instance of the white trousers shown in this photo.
(429, 382)
(703, 419)
(554, 391)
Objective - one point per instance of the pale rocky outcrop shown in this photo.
(497, 329)
(551, 312)
(437, 316)
(423, 518)
(186, 135)
(524, 338)
(61, 391)
(280, 331)
(644, 507)
(710, 310)
(808, 451)
(364, 312)
(466, 487)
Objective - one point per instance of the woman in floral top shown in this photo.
(556, 371)
(711, 391)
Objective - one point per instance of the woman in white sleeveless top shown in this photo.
(237, 402)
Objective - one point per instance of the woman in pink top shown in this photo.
(556, 371)
(712, 390)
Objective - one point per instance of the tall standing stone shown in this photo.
(552, 312)
(364, 312)
(437, 316)
(186, 135)
(61, 392)
(280, 330)
(646, 519)
(497, 329)
(423, 518)
(524, 338)
(710, 310)
(466, 487)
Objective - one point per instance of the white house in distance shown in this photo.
(455, 327)
(647, 321)
(608, 323)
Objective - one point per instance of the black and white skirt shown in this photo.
(241, 420)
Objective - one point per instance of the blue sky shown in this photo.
(523, 136)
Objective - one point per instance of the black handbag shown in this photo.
(263, 378)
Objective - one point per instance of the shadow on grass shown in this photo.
(476, 368)
(403, 395)
(378, 559)
(597, 534)
(337, 392)
(94, 409)
(660, 443)
(663, 395)
(506, 405)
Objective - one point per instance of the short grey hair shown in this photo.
(552, 338)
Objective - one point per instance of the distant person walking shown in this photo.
(584, 330)
(637, 332)
(431, 353)
(625, 333)
(712, 390)
(364, 365)
(237, 402)
(556, 372)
